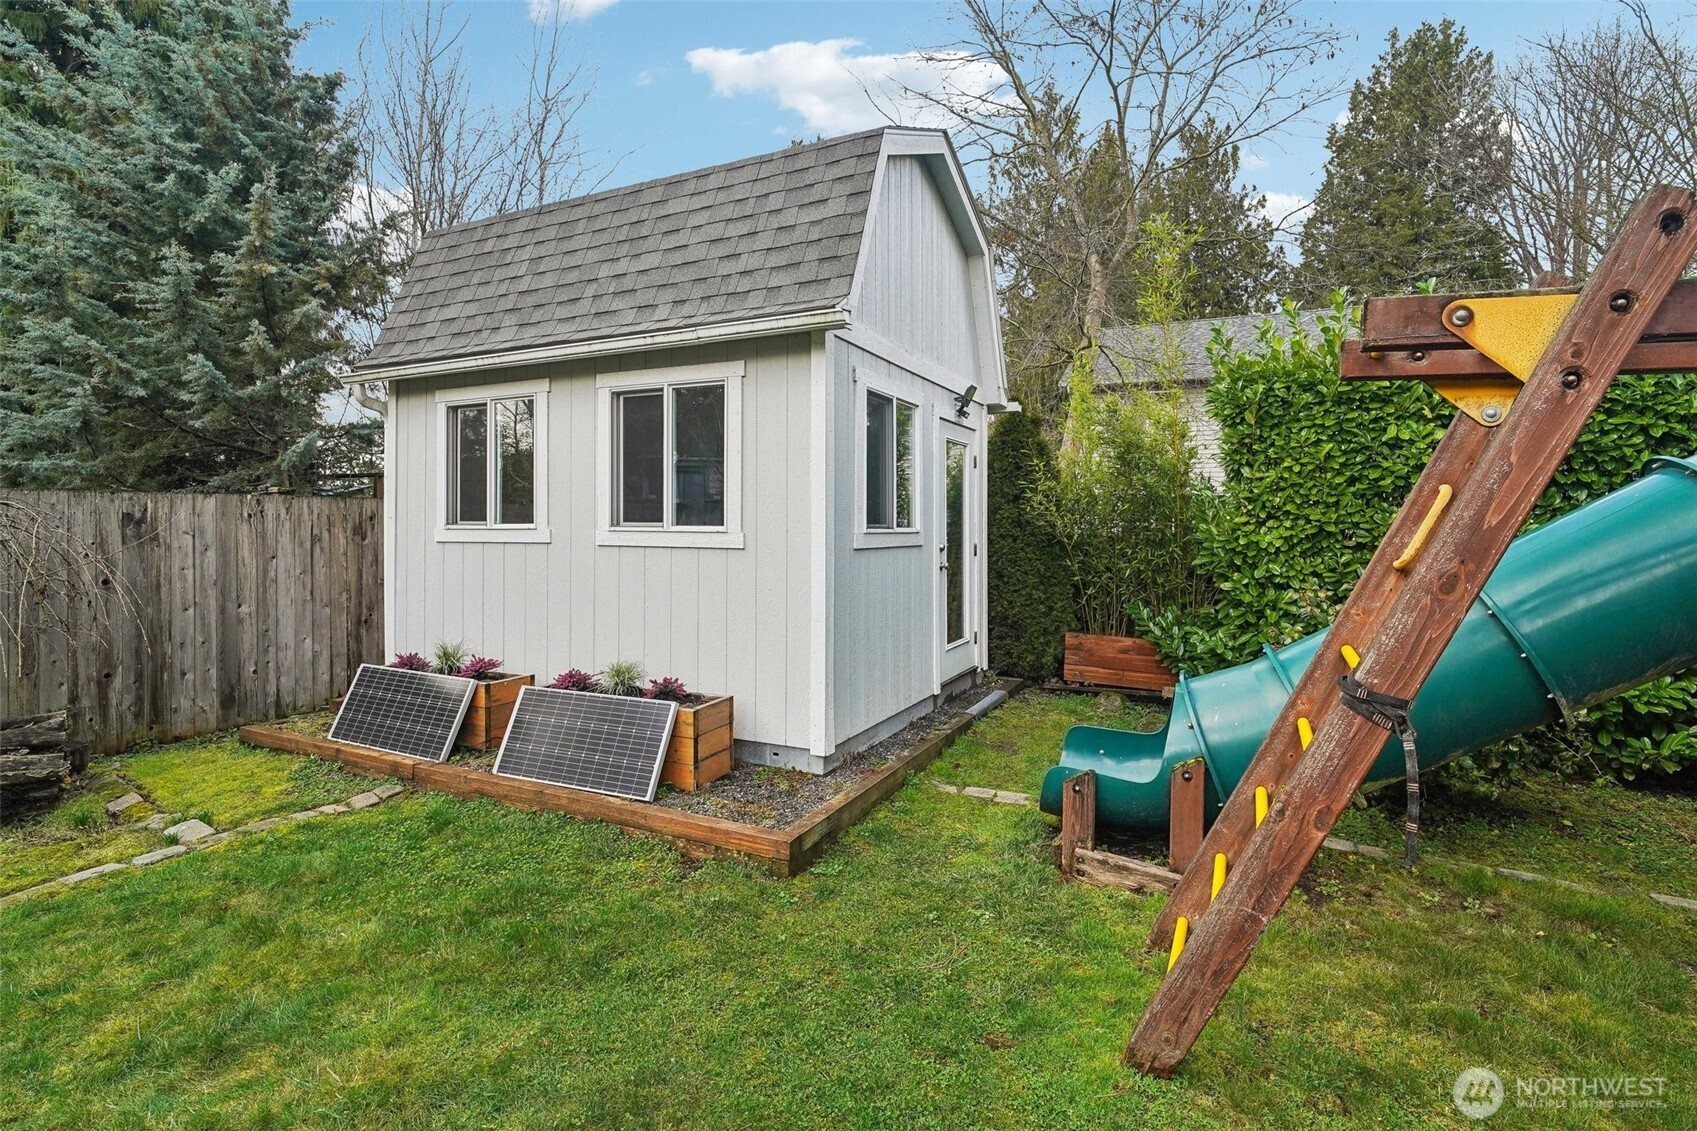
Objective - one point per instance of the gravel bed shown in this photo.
(774, 798)
(766, 796)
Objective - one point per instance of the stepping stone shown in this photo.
(384, 792)
(979, 792)
(156, 856)
(1372, 852)
(188, 832)
(362, 801)
(97, 870)
(1008, 797)
(1339, 844)
(331, 810)
(303, 815)
(215, 839)
(159, 822)
(1524, 877)
(266, 825)
(118, 805)
(1674, 901)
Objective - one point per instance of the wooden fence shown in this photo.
(220, 610)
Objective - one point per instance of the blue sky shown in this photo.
(660, 109)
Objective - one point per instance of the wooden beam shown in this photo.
(1078, 817)
(1358, 621)
(1362, 363)
(1489, 507)
(1409, 322)
(1187, 800)
(1104, 869)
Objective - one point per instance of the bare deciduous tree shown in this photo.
(1596, 118)
(60, 584)
(435, 152)
(1095, 95)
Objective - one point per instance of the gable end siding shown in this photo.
(916, 285)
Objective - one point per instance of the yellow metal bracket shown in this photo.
(1511, 330)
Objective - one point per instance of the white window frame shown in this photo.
(664, 380)
(869, 538)
(446, 399)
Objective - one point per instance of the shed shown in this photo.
(729, 424)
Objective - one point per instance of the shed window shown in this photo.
(889, 463)
(669, 457)
(491, 462)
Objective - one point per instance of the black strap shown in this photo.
(1391, 713)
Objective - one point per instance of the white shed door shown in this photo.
(958, 554)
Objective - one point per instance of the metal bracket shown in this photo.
(1511, 330)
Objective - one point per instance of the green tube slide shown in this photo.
(1590, 605)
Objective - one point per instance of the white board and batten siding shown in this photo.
(885, 608)
(917, 334)
(729, 621)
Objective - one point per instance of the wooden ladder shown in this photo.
(1467, 506)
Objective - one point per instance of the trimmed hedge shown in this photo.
(1031, 604)
(1315, 468)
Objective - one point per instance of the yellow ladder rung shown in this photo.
(1219, 875)
(1261, 803)
(1351, 657)
(1305, 731)
(1181, 931)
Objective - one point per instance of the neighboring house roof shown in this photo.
(760, 238)
(1134, 353)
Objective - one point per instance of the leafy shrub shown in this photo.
(1031, 606)
(1124, 503)
(575, 679)
(479, 666)
(410, 662)
(1315, 469)
(622, 677)
(448, 659)
(669, 688)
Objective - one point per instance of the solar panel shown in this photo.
(402, 712)
(604, 743)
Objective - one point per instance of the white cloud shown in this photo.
(567, 9)
(645, 77)
(1286, 209)
(1255, 161)
(835, 91)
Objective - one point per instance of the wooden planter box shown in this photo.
(491, 708)
(701, 745)
(1126, 662)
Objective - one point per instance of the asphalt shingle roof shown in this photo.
(768, 235)
(1132, 353)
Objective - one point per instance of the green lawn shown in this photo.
(433, 962)
(218, 780)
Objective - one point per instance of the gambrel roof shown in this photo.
(756, 239)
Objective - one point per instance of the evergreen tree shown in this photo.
(1416, 177)
(175, 275)
(1232, 266)
(1031, 605)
